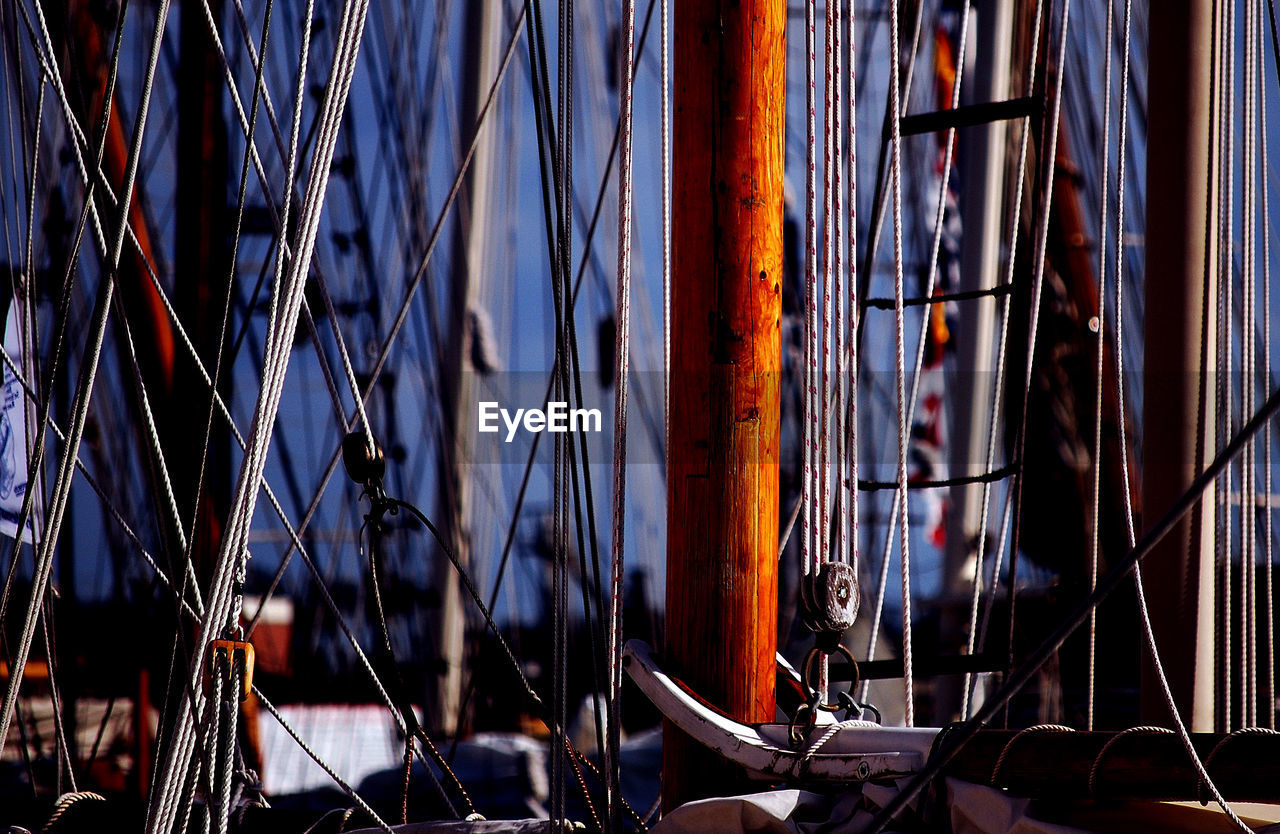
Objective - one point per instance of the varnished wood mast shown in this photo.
(722, 472)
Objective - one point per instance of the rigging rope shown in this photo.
(84, 387)
(1130, 526)
(1096, 500)
(665, 127)
(36, 458)
(811, 555)
(1267, 527)
(849, 352)
(1226, 328)
(622, 346)
(837, 290)
(904, 540)
(1049, 175)
(224, 603)
(997, 393)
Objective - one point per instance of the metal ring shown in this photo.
(808, 663)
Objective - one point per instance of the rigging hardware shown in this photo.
(831, 602)
(225, 655)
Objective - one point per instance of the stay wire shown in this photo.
(1048, 173)
(1226, 329)
(997, 394)
(1100, 332)
(1242, 443)
(65, 755)
(224, 601)
(554, 219)
(84, 387)
(613, 749)
(540, 707)
(1019, 677)
(1268, 520)
(413, 729)
(410, 292)
(281, 219)
(895, 166)
(61, 318)
(577, 286)
(241, 194)
(1248, 509)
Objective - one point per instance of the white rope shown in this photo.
(1049, 175)
(213, 726)
(1112, 742)
(849, 352)
(811, 553)
(838, 337)
(622, 347)
(904, 538)
(1150, 640)
(226, 763)
(831, 732)
(830, 161)
(1226, 413)
(1130, 528)
(665, 121)
(223, 605)
(997, 393)
(882, 585)
(1248, 511)
(1269, 603)
(931, 281)
(88, 371)
(830, 184)
(1023, 733)
(1100, 335)
(281, 222)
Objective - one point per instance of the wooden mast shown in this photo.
(1179, 573)
(722, 472)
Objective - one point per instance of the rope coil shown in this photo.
(1112, 742)
(1028, 731)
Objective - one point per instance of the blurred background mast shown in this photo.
(985, 153)
(1180, 286)
(449, 624)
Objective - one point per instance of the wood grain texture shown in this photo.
(722, 473)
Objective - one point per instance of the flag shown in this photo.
(929, 442)
(17, 426)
